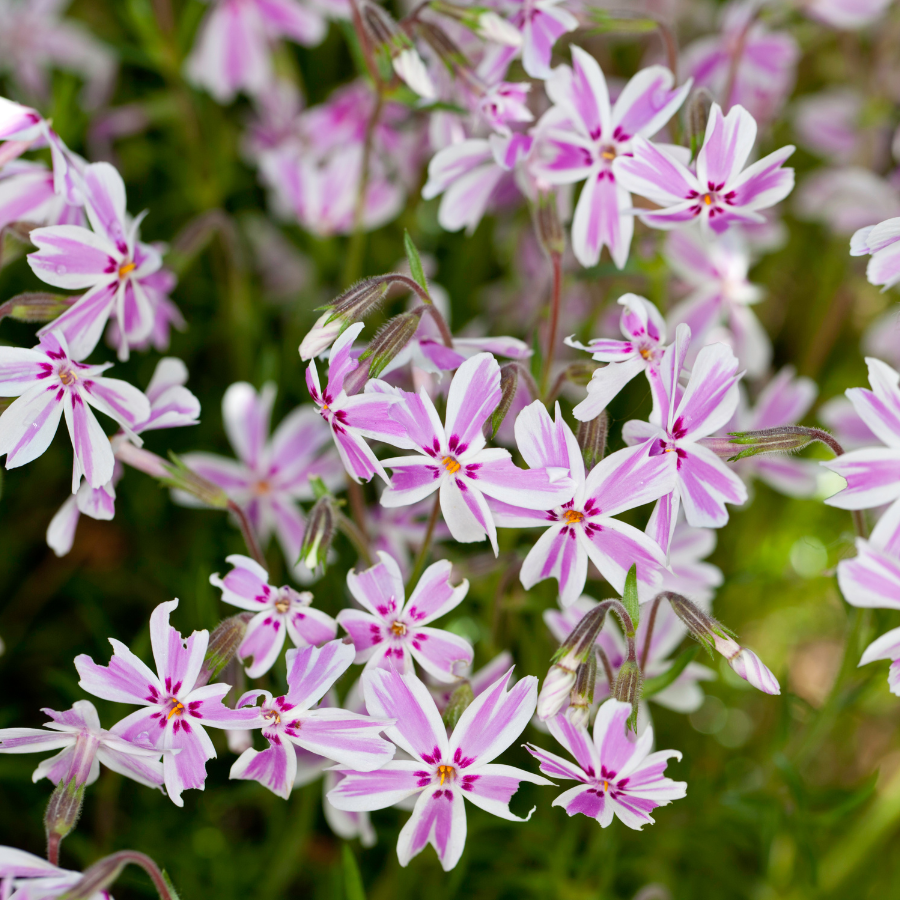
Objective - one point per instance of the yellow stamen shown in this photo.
(645, 353)
(398, 628)
(670, 450)
(263, 487)
(128, 267)
(177, 709)
(451, 465)
(707, 199)
(608, 154)
(67, 376)
(282, 604)
(605, 785)
(447, 772)
(572, 516)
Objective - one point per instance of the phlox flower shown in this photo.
(49, 382)
(24, 876)
(346, 737)
(279, 612)
(110, 261)
(271, 474)
(721, 294)
(34, 40)
(722, 192)
(684, 695)
(28, 194)
(872, 579)
(542, 23)
(872, 473)
(882, 243)
(454, 461)
(759, 64)
(841, 417)
(681, 418)
(847, 198)
(583, 527)
(848, 15)
(785, 400)
(642, 350)
(354, 418)
(618, 775)
(583, 134)
(442, 770)
(172, 405)
(391, 633)
(233, 49)
(175, 710)
(83, 745)
(829, 123)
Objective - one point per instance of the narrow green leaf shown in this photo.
(630, 596)
(353, 885)
(415, 262)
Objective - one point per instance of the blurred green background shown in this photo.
(788, 797)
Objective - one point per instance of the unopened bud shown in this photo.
(320, 529)
(224, 642)
(581, 697)
(494, 28)
(460, 700)
(410, 68)
(555, 691)
(353, 305)
(628, 686)
(783, 439)
(96, 878)
(591, 437)
(35, 306)
(181, 478)
(63, 811)
(580, 372)
(752, 669)
(321, 336)
(698, 107)
(509, 384)
(548, 226)
(444, 47)
(391, 338)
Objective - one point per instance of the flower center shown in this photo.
(708, 199)
(282, 605)
(450, 464)
(177, 708)
(446, 772)
(398, 628)
(67, 376)
(263, 487)
(572, 516)
(608, 152)
(271, 715)
(126, 268)
(605, 786)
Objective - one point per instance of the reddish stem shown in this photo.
(550, 350)
(249, 534)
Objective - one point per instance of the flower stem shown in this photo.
(356, 537)
(645, 652)
(53, 842)
(249, 534)
(426, 543)
(422, 294)
(550, 350)
(105, 871)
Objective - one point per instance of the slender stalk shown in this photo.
(423, 295)
(555, 298)
(735, 61)
(105, 871)
(356, 537)
(358, 508)
(607, 667)
(53, 842)
(650, 624)
(249, 534)
(426, 543)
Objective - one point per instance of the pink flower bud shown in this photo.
(752, 669)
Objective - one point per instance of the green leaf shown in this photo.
(661, 682)
(353, 885)
(630, 597)
(415, 262)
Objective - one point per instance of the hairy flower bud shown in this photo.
(353, 305)
(555, 691)
(224, 641)
(783, 439)
(548, 226)
(35, 306)
(591, 437)
(391, 338)
(714, 636)
(62, 812)
(320, 529)
(180, 478)
(509, 383)
(460, 700)
(581, 697)
(697, 115)
(321, 336)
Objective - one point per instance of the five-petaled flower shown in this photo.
(279, 611)
(49, 382)
(442, 770)
(83, 745)
(391, 634)
(175, 709)
(582, 136)
(619, 776)
(346, 737)
(722, 192)
(583, 527)
(455, 461)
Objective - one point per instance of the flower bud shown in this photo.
(319, 534)
(410, 68)
(581, 697)
(391, 338)
(628, 687)
(354, 304)
(555, 691)
(591, 437)
(321, 336)
(181, 478)
(35, 306)
(509, 383)
(494, 28)
(460, 699)
(224, 642)
(96, 878)
(138, 458)
(741, 444)
(697, 114)
(63, 811)
(752, 669)
(547, 225)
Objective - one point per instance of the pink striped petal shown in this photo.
(871, 578)
(93, 453)
(434, 595)
(557, 554)
(178, 661)
(726, 146)
(474, 394)
(873, 477)
(71, 257)
(492, 787)
(274, 768)
(628, 478)
(366, 791)
(28, 425)
(706, 484)
(439, 819)
(379, 588)
(578, 742)
(246, 416)
(553, 765)
(466, 512)
(711, 396)
(263, 642)
(313, 670)
(651, 172)
(648, 101)
(349, 738)
(443, 655)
